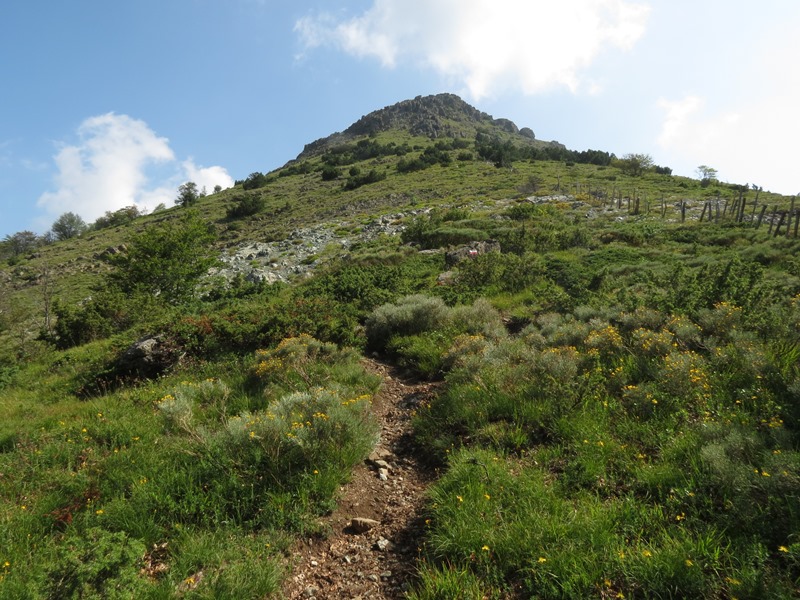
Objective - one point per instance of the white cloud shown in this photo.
(208, 177)
(529, 45)
(107, 170)
(749, 136)
(748, 143)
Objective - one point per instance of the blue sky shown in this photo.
(110, 104)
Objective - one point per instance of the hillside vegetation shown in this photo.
(619, 352)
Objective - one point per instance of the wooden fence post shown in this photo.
(742, 204)
(780, 222)
(761, 216)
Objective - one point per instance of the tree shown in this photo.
(254, 181)
(165, 260)
(707, 173)
(68, 225)
(187, 194)
(118, 217)
(21, 242)
(635, 164)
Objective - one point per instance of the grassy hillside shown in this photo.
(620, 395)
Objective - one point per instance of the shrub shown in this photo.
(108, 312)
(304, 423)
(254, 181)
(329, 173)
(479, 318)
(303, 433)
(358, 179)
(408, 316)
(246, 206)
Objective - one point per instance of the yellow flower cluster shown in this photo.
(361, 398)
(268, 366)
(607, 338)
(654, 343)
(301, 340)
(774, 422)
(685, 369)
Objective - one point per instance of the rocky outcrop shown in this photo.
(297, 255)
(506, 125)
(453, 257)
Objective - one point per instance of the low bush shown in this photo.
(427, 336)
(357, 179)
(246, 206)
(408, 316)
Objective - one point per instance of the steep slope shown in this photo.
(618, 401)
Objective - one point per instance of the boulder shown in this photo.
(147, 357)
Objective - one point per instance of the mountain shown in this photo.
(435, 117)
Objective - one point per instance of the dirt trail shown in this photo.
(374, 556)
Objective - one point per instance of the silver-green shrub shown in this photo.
(408, 316)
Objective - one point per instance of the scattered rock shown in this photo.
(191, 582)
(383, 545)
(381, 464)
(379, 454)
